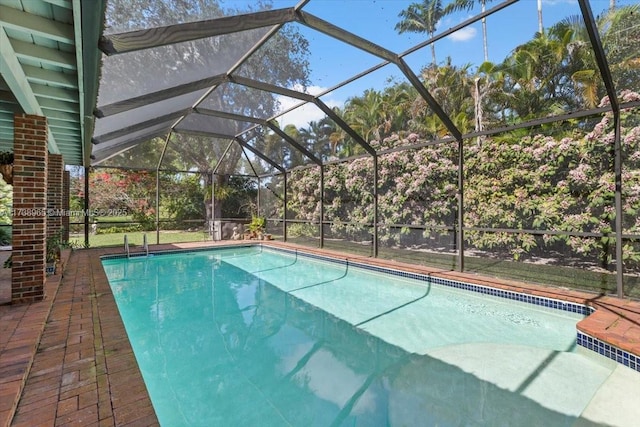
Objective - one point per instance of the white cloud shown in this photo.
(555, 2)
(301, 116)
(463, 34)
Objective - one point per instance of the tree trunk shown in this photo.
(485, 43)
(477, 106)
(433, 51)
(540, 27)
(213, 212)
(207, 196)
(221, 181)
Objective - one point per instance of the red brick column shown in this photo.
(29, 208)
(66, 183)
(55, 169)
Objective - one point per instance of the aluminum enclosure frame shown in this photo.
(275, 19)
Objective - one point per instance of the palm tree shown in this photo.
(317, 136)
(468, 5)
(421, 18)
(619, 35)
(451, 88)
(396, 103)
(488, 81)
(365, 114)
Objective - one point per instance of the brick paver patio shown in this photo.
(66, 361)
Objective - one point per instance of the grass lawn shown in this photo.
(136, 238)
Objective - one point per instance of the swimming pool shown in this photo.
(252, 336)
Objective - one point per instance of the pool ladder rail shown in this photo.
(145, 245)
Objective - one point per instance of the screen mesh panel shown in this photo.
(522, 90)
(150, 70)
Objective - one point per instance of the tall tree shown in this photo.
(421, 18)
(365, 114)
(452, 89)
(281, 61)
(457, 5)
(620, 37)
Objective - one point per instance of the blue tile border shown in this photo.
(487, 290)
(607, 350)
(173, 251)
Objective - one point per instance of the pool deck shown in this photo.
(66, 361)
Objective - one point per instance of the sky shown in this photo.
(332, 62)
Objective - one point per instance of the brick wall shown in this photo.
(29, 206)
(55, 170)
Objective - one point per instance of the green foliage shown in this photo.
(422, 17)
(6, 202)
(54, 244)
(183, 197)
(6, 157)
(5, 236)
(235, 196)
(241, 203)
(302, 230)
(514, 181)
(257, 224)
(120, 229)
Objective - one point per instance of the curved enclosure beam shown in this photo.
(162, 36)
(294, 143)
(258, 153)
(342, 124)
(140, 126)
(345, 36)
(261, 122)
(431, 102)
(376, 50)
(161, 95)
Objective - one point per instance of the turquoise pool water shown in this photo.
(253, 337)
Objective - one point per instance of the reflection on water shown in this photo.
(219, 346)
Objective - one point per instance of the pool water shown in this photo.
(249, 336)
